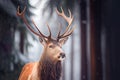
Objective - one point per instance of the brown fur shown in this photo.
(49, 71)
(42, 70)
(26, 71)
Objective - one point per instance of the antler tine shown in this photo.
(70, 15)
(69, 33)
(21, 14)
(49, 31)
(60, 28)
(68, 19)
(41, 35)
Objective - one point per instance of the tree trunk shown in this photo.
(72, 57)
(8, 70)
(92, 42)
(83, 19)
(98, 24)
(22, 35)
(113, 24)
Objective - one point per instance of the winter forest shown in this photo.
(92, 51)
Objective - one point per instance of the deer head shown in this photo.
(52, 47)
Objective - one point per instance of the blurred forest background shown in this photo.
(92, 51)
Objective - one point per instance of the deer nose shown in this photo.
(62, 55)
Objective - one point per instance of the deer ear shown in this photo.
(63, 41)
(42, 40)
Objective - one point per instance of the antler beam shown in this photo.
(22, 15)
(67, 32)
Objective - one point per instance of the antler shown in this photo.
(22, 15)
(62, 14)
(69, 21)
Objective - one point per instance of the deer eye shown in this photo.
(51, 46)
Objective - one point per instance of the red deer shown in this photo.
(49, 66)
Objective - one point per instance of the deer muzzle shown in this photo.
(62, 55)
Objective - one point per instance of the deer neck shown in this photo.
(48, 70)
